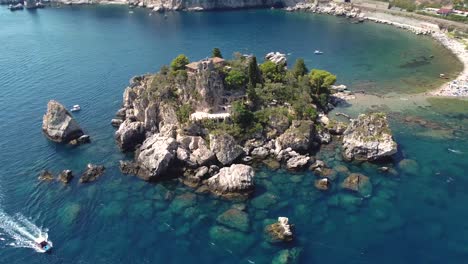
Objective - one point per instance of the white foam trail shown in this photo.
(22, 231)
(456, 151)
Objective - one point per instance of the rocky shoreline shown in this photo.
(459, 86)
(211, 159)
(455, 88)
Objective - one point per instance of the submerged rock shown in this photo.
(234, 181)
(358, 183)
(280, 231)
(232, 239)
(287, 256)
(368, 138)
(409, 166)
(225, 148)
(58, 124)
(65, 176)
(46, 175)
(92, 173)
(265, 201)
(235, 218)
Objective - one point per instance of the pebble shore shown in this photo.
(459, 86)
(455, 88)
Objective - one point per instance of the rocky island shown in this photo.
(208, 122)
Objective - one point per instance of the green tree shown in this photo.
(299, 69)
(254, 72)
(235, 79)
(272, 71)
(241, 115)
(217, 53)
(183, 113)
(321, 81)
(179, 63)
(252, 95)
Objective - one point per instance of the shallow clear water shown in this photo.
(86, 56)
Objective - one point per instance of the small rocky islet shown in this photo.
(211, 123)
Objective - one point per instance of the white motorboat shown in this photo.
(75, 108)
(318, 52)
(43, 245)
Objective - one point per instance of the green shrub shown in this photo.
(179, 63)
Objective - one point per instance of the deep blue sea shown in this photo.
(86, 55)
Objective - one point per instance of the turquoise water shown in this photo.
(86, 56)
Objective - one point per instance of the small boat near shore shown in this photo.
(75, 108)
(15, 7)
(318, 52)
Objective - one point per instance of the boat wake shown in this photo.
(456, 151)
(17, 231)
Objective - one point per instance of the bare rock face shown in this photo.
(322, 184)
(368, 138)
(225, 148)
(58, 124)
(92, 173)
(234, 181)
(280, 231)
(199, 5)
(297, 162)
(130, 134)
(46, 175)
(65, 176)
(194, 150)
(155, 156)
(298, 137)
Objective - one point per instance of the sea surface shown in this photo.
(86, 55)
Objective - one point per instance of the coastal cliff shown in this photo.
(218, 4)
(191, 5)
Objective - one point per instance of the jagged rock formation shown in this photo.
(298, 137)
(280, 231)
(58, 124)
(46, 175)
(130, 134)
(368, 138)
(234, 181)
(276, 57)
(65, 176)
(92, 173)
(225, 148)
(198, 5)
(297, 162)
(155, 156)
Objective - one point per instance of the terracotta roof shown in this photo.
(217, 60)
(192, 65)
(444, 11)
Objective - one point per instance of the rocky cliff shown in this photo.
(59, 125)
(368, 138)
(217, 4)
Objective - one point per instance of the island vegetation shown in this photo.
(213, 118)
